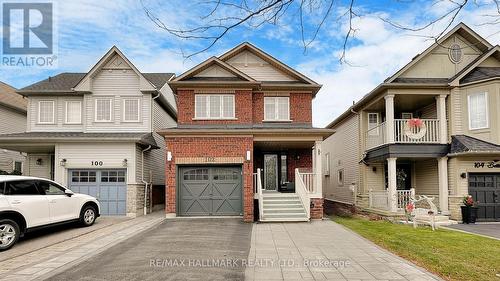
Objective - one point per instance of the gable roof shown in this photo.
(208, 63)
(462, 144)
(466, 70)
(66, 82)
(268, 58)
(481, 73)
(461, 29)
(11, 99)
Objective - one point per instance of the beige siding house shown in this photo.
(13, 120)
(433, 128)
(95, 133)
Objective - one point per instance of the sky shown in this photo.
(87, 29)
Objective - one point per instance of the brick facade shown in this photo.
(317, 208)
(210, 147)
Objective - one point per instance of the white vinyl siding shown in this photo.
(103, 110)
(131, 109)
(46, 112)
(373, 121)
(478, 111)
(276, 109)
(73, 112)
(214, 107)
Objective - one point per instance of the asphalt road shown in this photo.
(487, 229)
(182, 249)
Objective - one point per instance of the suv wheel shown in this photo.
(88, 215)
(9, 233)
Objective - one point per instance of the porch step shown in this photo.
(285, 215)
(282, 207)
(284, 210)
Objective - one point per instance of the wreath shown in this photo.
(415, 128)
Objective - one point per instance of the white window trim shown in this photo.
(327, 164)
(338, 177)
(276, 119)
(208, 108)
(376, 130)
(110, 111)
(66, 112)
(409, 113)
(14, 166)
(138, 110)
(487, 112)
(53, 111)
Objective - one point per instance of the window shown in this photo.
(327, 164)
(478, 111)
(225, 175)
(21, 188)
(340, 177)
(103, 110)
(73, 112)
(18, 166)
(406, 115)
(284, 170)
(46, 112)
(214, 107)
(50, 189)
(276, 109)
(2, 188)
(131, 110)
(196, 174)
(373, 122)
(113, 176)
(83, 176)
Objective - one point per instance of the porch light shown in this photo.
(125, 162)
(169, 156)
(63, 162)
(463, 175)
(248, 155)
(39, 162)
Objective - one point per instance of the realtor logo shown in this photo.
(28, 35)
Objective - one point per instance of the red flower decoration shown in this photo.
(415, 123)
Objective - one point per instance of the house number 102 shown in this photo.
(96, 163)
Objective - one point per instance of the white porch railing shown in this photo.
(302, 192)
(258, 191)
(428, 132)
(380, 199)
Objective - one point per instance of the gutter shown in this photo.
(143, 181)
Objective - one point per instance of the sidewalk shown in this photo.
(43, 263)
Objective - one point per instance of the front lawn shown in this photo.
(449, 254)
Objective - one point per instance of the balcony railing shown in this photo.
(404, 132)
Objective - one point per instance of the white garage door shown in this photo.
(108, 186)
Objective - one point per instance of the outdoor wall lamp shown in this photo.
(463, 175)
(63, 162)
(248, 155)
(125, 162)
(39, 162)
(169, 156)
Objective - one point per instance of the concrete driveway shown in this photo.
(486, 229)
(50, 236)
(184, 249)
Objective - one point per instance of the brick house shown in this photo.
(244, 144)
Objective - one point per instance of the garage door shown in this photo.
(485, 189)
(108, 186)
(210, 191)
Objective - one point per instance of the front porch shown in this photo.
(287, 180)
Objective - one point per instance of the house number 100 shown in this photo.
(96, 163)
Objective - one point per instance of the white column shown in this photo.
(391, 184)
(441, 114)
(318, 168)
(443, 184)
(389, 118)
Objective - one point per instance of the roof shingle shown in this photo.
(9, 97)
(463, 144)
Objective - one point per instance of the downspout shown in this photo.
(143, 181)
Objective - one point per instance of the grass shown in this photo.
(450, 254)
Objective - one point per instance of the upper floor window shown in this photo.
(276, 109)
(46, 112)
(373, 122)
(103, 110)
(214, 107)
(73, 112)
(478, 111)
(131, 110)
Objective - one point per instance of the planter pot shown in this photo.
(469, 214)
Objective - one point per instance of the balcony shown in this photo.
(427, 131)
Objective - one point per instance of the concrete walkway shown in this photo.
(322, 250)
(45, 262)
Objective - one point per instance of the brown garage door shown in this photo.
(485, 189)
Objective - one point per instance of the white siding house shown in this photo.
(94, 132)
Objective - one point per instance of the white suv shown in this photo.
(28, 203)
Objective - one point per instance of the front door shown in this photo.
(403, 177)
(270, 171)
(485, 190)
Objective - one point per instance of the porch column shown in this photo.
(318, 168)
(389, 118)
(441, 114)
(391, 184)
(443, 184)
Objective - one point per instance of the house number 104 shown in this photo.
(96, 163)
